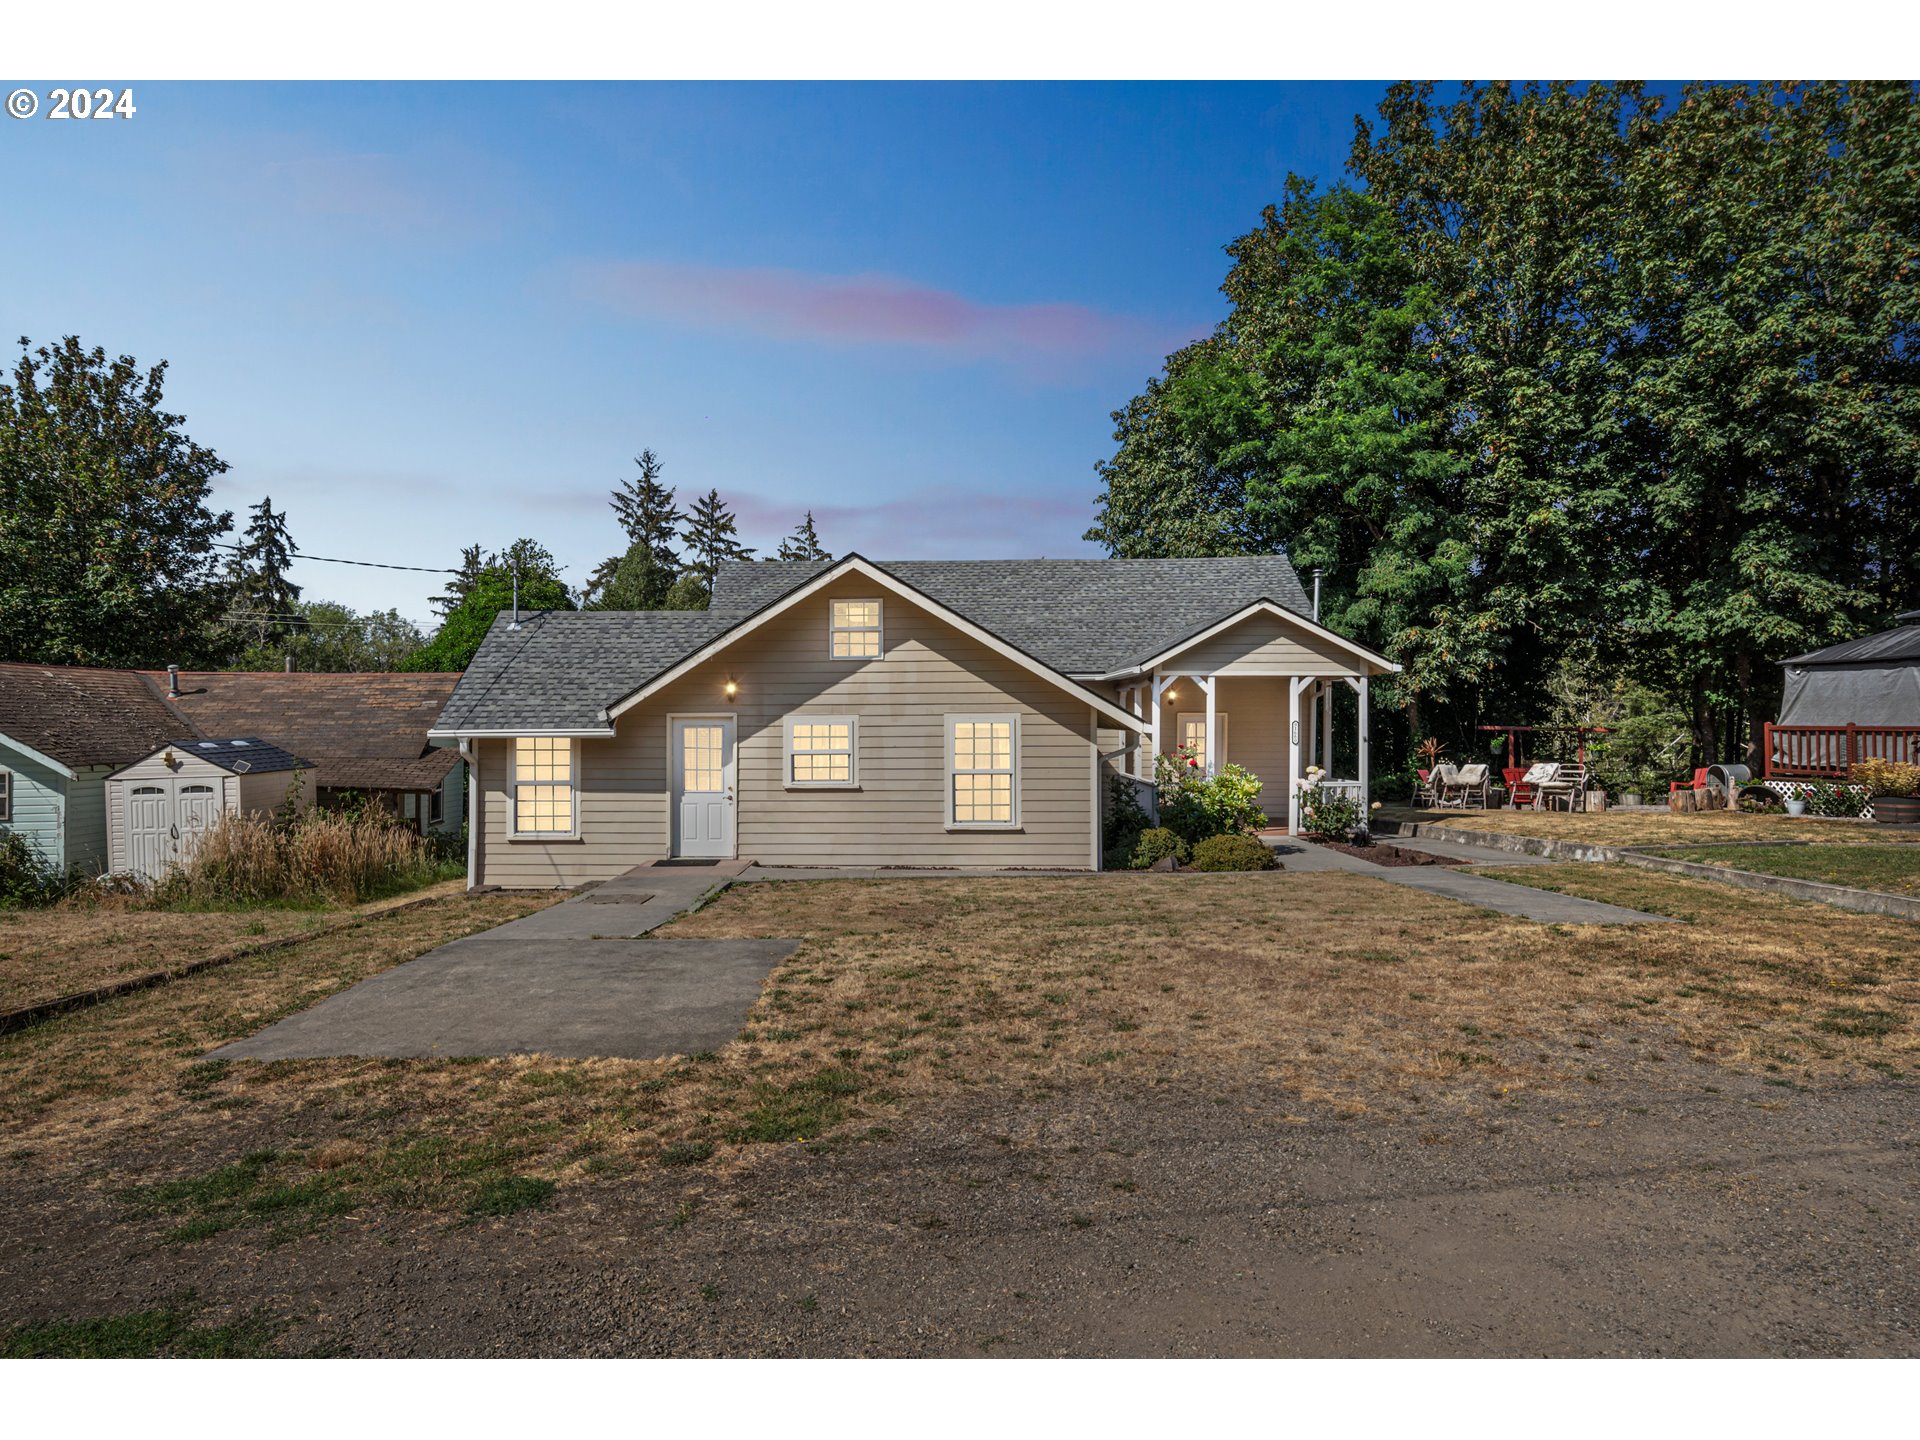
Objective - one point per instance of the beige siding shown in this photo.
(1264, 644)
(267, 791)
(897, 816)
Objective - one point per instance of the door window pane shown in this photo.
(700, 758)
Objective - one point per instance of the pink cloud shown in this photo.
(927, 526)
(879, 310)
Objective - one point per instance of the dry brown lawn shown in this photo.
(84, 944)
(1348, 992)
(1662, 827)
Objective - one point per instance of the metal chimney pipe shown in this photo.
(1316, 594)
(515, 623)
(173, 682)
(289, 662)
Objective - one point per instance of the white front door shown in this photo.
(703, 788)
(149, 828)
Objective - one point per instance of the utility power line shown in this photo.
(368, 564)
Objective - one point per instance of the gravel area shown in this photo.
(1165, 1221)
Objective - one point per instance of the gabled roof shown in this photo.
(1079, 617)
(82, 716)
(362, 731)
(1899, 646)
(558, 672)
(1258, 607)
(881, 579)
(247, 756)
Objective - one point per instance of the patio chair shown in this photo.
(1469, 783)
(1527, 791)
(1423, 795)
(1441, 782)
(1699, 782)
(1568, 787)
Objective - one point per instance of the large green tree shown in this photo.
(712, 533)
(803, 543)
(331, 636)
(106, 536)
(641, 576)
(492, 591)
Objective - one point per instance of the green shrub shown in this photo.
(1233, 852)
(1833, 801)
(27, 877)
(1333, 813)
(1125, 819)
(1195, 805)
(1156, 845)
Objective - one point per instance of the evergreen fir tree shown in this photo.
(461, 585)
(712, 534)
(264, 599)
(803, 543)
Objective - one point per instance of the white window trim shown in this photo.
(946, 743)
(852, 782)
(514, 832)
(6, 796)
(878, 628)
(1180, 720)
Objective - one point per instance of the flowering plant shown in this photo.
(1195, 805)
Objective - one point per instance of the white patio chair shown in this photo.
(1441, 782)
(1470, 784)
(1568, 787)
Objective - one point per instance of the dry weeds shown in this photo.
(81, 944)
(1353, 993)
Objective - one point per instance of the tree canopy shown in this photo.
(1567, 371)
(106, 536)
(490, 592)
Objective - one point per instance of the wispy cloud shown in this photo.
(926, 525)
(874, 310)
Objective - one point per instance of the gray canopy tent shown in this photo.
(1874, 680)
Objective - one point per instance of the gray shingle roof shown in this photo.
(1081, 617)
(562, 668)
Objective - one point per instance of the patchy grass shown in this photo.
(1894, 869)
(1658, 827)
(167, 1331)
(81, 945)
(1355, 994)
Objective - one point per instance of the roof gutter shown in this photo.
(529, 732)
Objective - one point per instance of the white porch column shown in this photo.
(1208, 684)
(1313, 720)
(1294, 688)
(1158, 691)
(1326, 726)
(1366, 732)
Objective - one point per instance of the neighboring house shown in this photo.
(159, 807)
(65, 729)
(365, 732)
(921, 713)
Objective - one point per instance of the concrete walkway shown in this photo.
(1546, 906)
(571, 980)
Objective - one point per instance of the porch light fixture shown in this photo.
(732, 687)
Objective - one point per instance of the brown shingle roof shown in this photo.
(363, 731)
(86, 717)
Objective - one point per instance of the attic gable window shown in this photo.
(856, 629)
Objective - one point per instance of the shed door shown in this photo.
(703, 788)
(149, 829)
(196, 806)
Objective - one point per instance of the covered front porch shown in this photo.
(1268, 690)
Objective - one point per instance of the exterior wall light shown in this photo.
(732, 687)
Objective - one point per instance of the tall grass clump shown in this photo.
(27, 877)
(319, 857)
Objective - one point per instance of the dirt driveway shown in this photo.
(1173, 1223)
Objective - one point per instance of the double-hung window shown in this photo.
(6, 796)
(982, 771)
(820, 752)
(545, 800)
(855, 629)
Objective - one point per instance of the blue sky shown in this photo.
(422, 316)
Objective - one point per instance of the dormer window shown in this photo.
(856, 629)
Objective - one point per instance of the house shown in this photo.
(160, 806)
(915, 713)
(65, 729)
(365, 732)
